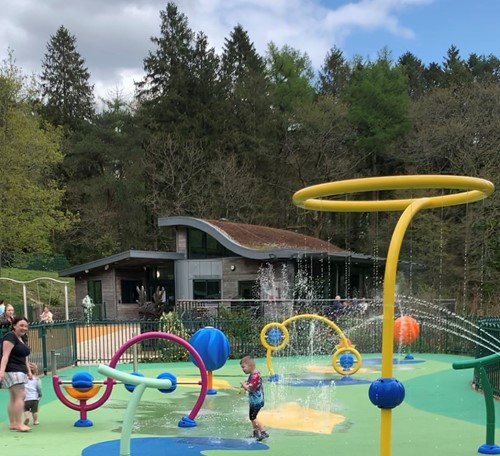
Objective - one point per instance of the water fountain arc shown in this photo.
(470, 190)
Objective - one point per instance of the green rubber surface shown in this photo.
(441, 414)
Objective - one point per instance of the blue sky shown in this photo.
(113, 36)
(472, 26)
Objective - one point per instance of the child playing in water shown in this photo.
(255, 390)
(33, 395)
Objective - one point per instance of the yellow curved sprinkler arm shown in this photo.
(320, 318)
(473, 189)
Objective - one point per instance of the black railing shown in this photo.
(490, 333)
(55, 339)
(75, 342)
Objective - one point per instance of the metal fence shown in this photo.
(76, 342)
(490, 331)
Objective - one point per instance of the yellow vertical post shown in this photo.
(391, 267)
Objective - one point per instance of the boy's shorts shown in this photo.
(31, 406)
(254, 411)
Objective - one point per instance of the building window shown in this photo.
(206, 289)
(246, 289)
(203, 246)
(129, 291)
(196, 243)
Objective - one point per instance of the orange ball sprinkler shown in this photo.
(406, 330)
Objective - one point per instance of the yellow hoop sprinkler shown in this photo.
(275, 336)
(387, 392)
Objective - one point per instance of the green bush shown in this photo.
(169, 351)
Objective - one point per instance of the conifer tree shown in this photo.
(414, 70)
(165, 93)
(378, 107)
(455, 69)
(334, 74)
(105, 183)
(67, 95)
(250, 132)
(246, 96)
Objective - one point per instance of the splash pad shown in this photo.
(389, 393)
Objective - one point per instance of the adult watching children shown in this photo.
(15, 372)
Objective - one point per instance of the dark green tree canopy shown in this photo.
(378, 101)
(290, 73)
(414, 70)
(334, 73)
(67, 96)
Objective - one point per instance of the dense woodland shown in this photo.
(234, 135)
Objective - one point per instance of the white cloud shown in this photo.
(113, 36)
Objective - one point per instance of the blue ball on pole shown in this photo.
(82, 381)
(274, 336)
(346, 361)
(386, 393)
(130, 387)
(213, 347)
(168, 376)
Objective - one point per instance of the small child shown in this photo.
(33, 395)
(255, 391)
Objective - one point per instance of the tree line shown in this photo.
(233, 135)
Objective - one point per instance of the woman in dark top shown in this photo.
(14, 371)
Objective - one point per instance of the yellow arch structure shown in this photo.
(471, 190)
(344, 347)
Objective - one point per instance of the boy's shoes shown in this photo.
(256, 434)
(261, 435)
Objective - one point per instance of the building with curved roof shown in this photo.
(223, 261)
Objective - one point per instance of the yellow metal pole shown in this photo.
(391, 268)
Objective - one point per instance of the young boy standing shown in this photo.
(255, 390)
(33, 395)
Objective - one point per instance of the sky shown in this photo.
(114, 36)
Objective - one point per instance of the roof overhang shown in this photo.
(130, 259)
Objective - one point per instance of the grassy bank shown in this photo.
(38, 292)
